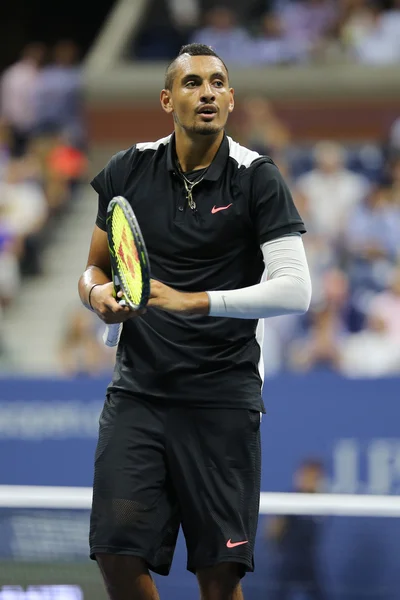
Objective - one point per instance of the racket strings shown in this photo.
(126, 256)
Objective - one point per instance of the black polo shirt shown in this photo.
(241, 203)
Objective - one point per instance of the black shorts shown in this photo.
(158, 467)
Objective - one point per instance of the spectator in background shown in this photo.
(58, 96)
(25, 212)
(64, 167)
(224, 35)
(55, 188)
(165, 28)
(39, 166)
(261, 128)
(379, 43)
(331, 191)
(393, 170)
(372, 352)
(294, 542)
(185, 13)
(306, 24)
(10, 251)
(392, 144)
(322, 255)
(81, 350)
(386, 306)
(372, 242)
(357, 21)
(319, 347)
(57, 166)
(5, 145)
(18, 85)
(271, 46)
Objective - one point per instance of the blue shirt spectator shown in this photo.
(58, 95)
(225, 37)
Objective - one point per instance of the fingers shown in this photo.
(116, 306)
(113, 311)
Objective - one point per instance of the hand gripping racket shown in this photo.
(129, 261)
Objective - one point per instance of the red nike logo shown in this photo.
(217, 209)
(230, 544)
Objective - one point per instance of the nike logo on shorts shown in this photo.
(216, 209)
(230, 544)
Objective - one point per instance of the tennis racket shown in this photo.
(130, 265)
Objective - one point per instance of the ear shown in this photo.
(231, 100)
(166, 101)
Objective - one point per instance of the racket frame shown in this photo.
(117, 276)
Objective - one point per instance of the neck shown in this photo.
(196, 152)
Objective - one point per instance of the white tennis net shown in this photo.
(44, 541)
(354, 505)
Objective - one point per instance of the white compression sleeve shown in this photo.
(286, 291)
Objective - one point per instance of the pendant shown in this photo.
(190, 200)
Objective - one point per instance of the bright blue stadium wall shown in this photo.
(48, 433)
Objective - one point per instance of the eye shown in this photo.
(219, 83)
(190, 84)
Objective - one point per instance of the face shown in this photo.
(329, 159)
(201, 99)
(66, 53)
(309, 479)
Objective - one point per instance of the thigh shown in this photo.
(214, 457)
(134, 509)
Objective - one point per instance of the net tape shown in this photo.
(270, 502)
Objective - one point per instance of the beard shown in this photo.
(200, 128)
(205, 129)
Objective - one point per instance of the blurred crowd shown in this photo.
(262, 32)
(42, 156)
(349, 197)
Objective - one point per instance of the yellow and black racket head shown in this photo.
(128, 254)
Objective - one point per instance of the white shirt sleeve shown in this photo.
(286, 291)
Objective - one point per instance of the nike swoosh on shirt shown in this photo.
(216, 209)
(230, 544)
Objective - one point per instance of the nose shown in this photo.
(207, 93)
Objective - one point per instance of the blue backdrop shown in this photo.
(48, 433)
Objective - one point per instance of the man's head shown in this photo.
(309, 476)
(65, 53)
(34, 53)
(329, 156)
(196, 90)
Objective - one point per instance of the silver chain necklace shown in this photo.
(189, 185)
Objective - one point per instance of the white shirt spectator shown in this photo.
(331, 191)
(18, 85)
(17, 89)
(386, 306)
(382, 45)
(26, 207)
(370, 354)
(24, 204)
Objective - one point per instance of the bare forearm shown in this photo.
(92, 276)
(197, 303)
(188, 303)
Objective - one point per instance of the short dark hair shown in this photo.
(192, 50)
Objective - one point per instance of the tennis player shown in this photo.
(179, 440)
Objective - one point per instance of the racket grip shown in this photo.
(111, 334)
